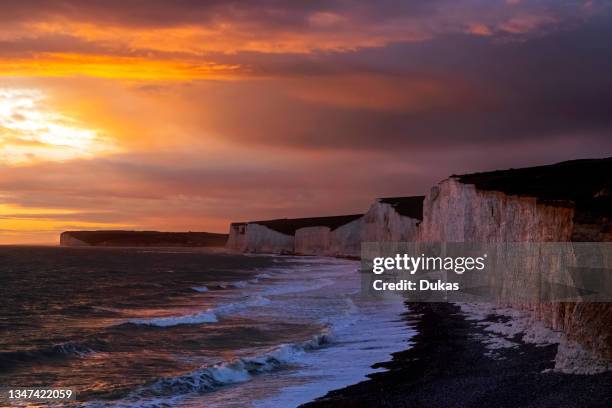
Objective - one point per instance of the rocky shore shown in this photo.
(451, 364)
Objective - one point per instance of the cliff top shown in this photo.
(586, 183)
(288, 226)
(147, 238)
(407, 206)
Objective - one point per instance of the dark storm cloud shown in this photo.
(462, 85)
(548, 87)
(335, 102)
(285, 13)
(164, 13)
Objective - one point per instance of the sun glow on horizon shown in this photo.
(30, 131)
(40, 225)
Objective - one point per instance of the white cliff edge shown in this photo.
(342, 238)
(456, 210)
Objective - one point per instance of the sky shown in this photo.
(187, 115)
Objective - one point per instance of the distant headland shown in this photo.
(142, 238)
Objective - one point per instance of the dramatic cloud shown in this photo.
(190, 114)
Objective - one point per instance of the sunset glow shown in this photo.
(281, 203)
(33, 225)
(100, 66)
(189, 115)
(31, 131)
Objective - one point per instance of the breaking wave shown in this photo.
(207, 316)
(207, 379)
(195, 318)
(236, 371)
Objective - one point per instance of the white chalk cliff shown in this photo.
(569, 201)
(67, 239)
(388, 219)
(458, 212)
(383, 223)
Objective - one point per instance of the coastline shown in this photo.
(447, 366)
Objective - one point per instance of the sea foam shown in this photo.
(208, 316)
(206, 379)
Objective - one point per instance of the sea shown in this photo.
(159, 327)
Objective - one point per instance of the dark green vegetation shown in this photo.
(407, 206)
(288, 226)
(583, 184)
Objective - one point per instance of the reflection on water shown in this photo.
(129, 327)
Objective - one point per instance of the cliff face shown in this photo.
(237, 236)
(302, 236)
(312, 240)
(570, 201)
(455, 211)
(388, 219)
(345, 241)
(382, 223)
(67, 239)
(458, 212)
(261, 239)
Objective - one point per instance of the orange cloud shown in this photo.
(113, 67)
(479, 29)
(230, 37)
(188, 115)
